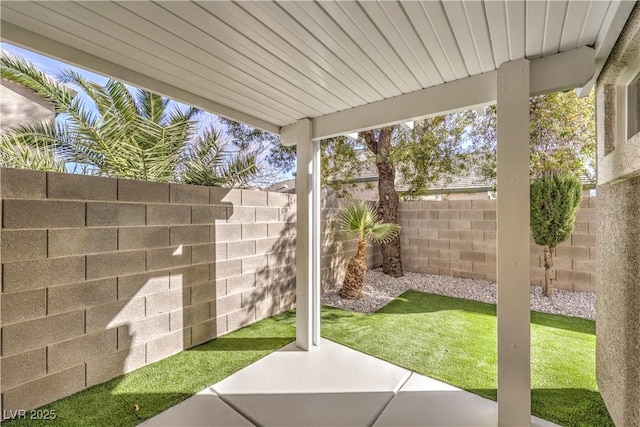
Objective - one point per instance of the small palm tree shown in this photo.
(360, 221)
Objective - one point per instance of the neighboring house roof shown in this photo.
(464, 184)
(20, 105)
(470, 183)
(287, 186)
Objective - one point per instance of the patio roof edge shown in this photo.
(562, 71)
(46, 46)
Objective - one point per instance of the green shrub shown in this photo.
(554, 202)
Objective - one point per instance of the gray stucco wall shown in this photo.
(19, 105)
(618, 238)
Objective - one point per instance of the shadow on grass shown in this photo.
(245, 344)
(456, 348)
(141, 394)
(569, 407)
(413, 302)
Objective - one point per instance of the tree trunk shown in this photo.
(388, 197)
(354, 278)
(548, 271)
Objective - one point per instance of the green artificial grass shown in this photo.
(449, 339)
(156, 387)
(454, 340)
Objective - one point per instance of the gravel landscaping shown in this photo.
(381, 289)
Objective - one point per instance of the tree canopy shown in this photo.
(562, 137)
(115, 131)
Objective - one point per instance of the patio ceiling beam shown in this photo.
(49, 47)
(553, 73)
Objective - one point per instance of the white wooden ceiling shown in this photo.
(283, 61)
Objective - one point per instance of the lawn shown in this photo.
(156, 387)
(449, 339)
(454, 340)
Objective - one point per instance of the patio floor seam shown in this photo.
(395, 394)
(235, 408)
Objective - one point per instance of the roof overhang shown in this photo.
(553, 73)
(348, 66)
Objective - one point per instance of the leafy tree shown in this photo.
(341, 161)
(433, 150)
(562, 142)
(117, 132)
(360, 221)
(554, 202)
(276, 160)
(379, 143)
(430, 151)
(562, 136)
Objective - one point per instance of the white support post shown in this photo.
(514, 344)
(316, 240)
(308, 237)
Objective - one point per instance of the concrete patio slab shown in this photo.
(311, 409)
(332, 385)
(203, 409)
(327, 368)
(426, 402)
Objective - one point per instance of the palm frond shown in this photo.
(55, 136)
(383, 232)
(116, 132)
(15, 154)
(151, 106)
(359, 220)
(239, 170)
(208, 162)
(93, 90)
(24, 73)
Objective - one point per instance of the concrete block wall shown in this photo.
(337, 249)
(458, 238)
(101, 276)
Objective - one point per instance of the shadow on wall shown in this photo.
(122, 272)
(102, 276)
(173, 308)
(338, 248)
(276, 278)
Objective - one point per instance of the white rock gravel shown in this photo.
(381, 289)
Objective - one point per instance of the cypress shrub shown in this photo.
(554, 202)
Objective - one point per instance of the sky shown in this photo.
(50, 66)
(53, 68)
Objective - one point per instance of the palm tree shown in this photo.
(360, 221)
(116, 132)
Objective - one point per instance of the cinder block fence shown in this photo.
(458, 238)
(101, 276)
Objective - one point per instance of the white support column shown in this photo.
(308, 237)
(514, 345)
(316, 240)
